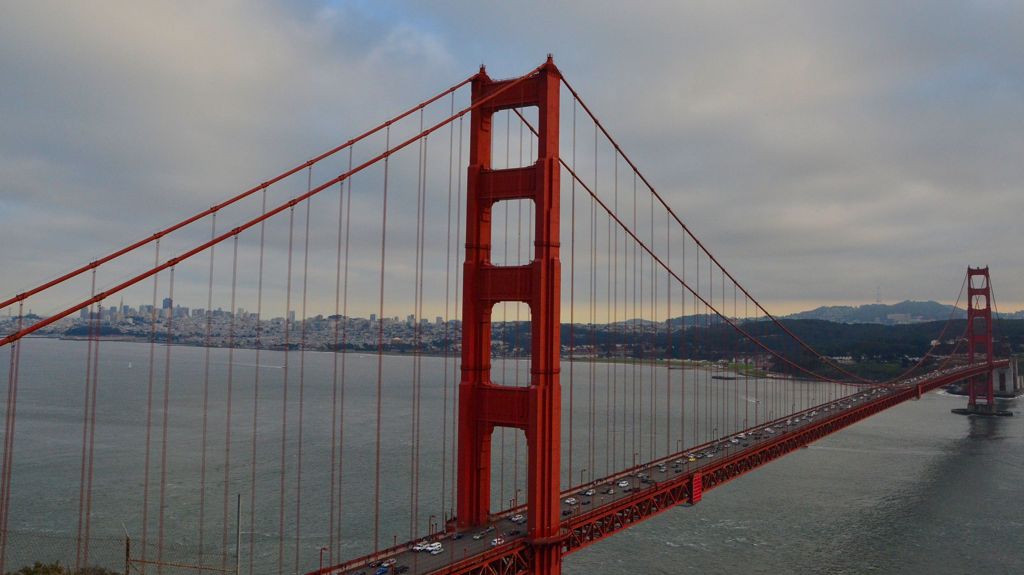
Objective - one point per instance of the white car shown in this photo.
(437, 550)
(570, 501)
(433, 546)
(589, 492)
(623, 483)
(497, 541)
(421, 546)
(517, 518)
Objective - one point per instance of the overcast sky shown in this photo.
(823, 150)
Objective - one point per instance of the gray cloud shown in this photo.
(819, 149)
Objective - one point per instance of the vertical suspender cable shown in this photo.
(713, 348)
(419, 327)
(591, 431)
(615, 314)
(149, 411)
(417, 352)
(735, 367)
(458, 314)
(206, 389)
(284, 393)
(652, 337)
(86, 403)
(746, 370)
(256, 389)
(10, 411)
(723, 397)
(572, 294)
(228, 405)
(344, 353)
(682, 351)
(380, 344)
(638, 322)
(164, 423)
(698, 376)
(336, 421)
(668, 340)
(609, 362)
(633, 332)
(92, 433)
(447, 319)
(302, 373)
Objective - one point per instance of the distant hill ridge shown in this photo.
(902, 313)
(896, 314)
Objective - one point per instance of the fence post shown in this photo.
(127, 554)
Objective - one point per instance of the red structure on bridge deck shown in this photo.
(535, 409)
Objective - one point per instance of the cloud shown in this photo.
(819, 149)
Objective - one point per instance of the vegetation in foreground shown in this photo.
(57, 568)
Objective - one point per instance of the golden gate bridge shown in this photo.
(633, 374)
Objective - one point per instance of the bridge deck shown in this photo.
(634, 495)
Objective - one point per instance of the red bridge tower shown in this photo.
(979, 338)
(535, 409)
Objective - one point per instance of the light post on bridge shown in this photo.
(321, 569)
(582, 471)
(633, 476)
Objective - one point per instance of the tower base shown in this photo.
(983, 411)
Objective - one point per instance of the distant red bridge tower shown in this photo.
(979, 339)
